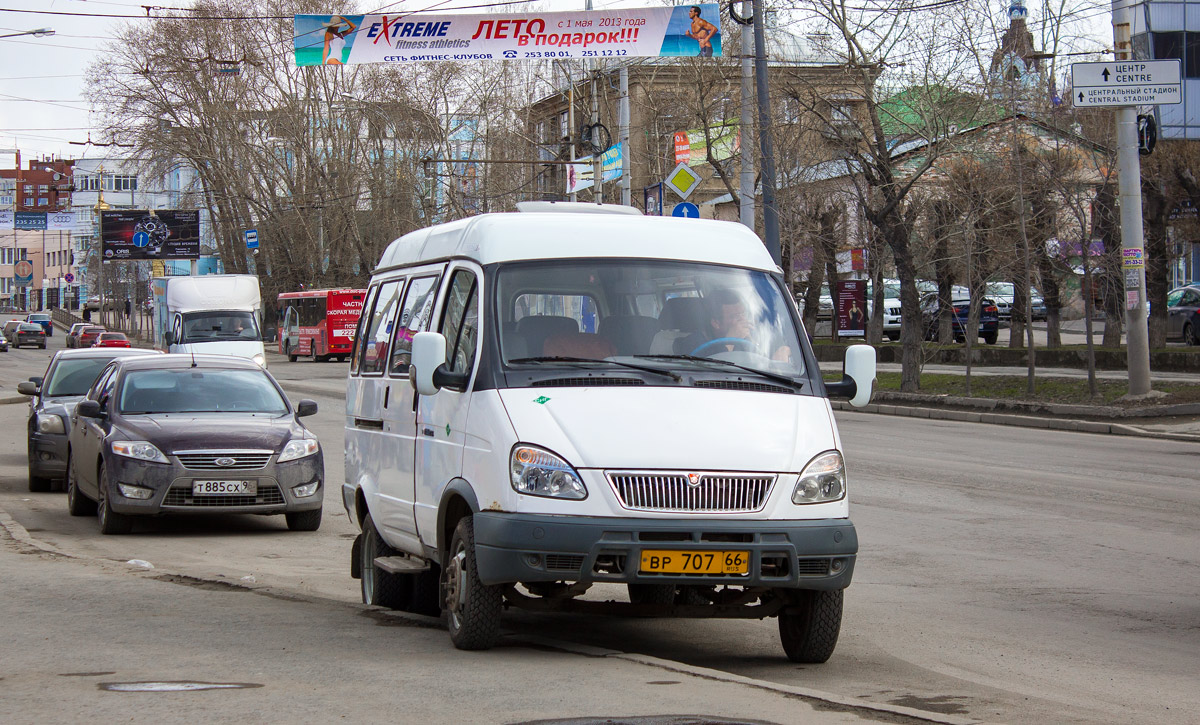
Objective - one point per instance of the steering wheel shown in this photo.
(739, 343)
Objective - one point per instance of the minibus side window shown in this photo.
(363, 319)
(414, 317)
(379, 333)
(460, 322)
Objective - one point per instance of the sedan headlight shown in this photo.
(541, 473)
(50, 423)
(141, 450)
(298, 448)
(260, 359)
(823, 479)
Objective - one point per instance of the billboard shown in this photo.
(402, 37)
(37, 220)
(132, 234)
(580, 173)
(851, 307)
(691, 149)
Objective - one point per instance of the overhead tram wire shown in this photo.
(65, 13)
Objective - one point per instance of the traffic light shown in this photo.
(1147, 134)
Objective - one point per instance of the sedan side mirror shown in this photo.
(26, 387)
(858, 377)
(36, 380)
(168, 338)
(90, 409)
(306, 408)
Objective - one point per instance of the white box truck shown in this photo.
(215, 313)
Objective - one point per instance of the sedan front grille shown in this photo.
(268, 494)
(220, 461)
(691, 492)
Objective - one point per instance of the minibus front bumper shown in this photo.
(510, 548)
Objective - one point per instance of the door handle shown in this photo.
(368, 423)
(427, 432)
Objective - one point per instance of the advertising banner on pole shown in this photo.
(851, 307)
(37, 220)
(579, 174)
(692, 147)
(402, 37)
(130, 234)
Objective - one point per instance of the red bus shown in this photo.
(319, 323)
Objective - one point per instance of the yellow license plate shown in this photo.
(671, 561)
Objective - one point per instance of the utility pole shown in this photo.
(746, 180)
(770, 214)
(1137, 337)
(597, 160)
(623, 122)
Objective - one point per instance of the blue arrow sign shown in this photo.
(141, 239)
(686, 210)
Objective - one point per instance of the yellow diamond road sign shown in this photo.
(682, 180)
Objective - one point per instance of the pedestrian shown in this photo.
(87, 313)
(128, 308)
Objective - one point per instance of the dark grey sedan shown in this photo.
(52, 401)
(192, 434)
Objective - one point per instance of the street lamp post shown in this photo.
(37, 32)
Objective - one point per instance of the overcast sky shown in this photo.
(42, 109)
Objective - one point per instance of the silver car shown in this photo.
(53, 400)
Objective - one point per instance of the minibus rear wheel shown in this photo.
(809, 626)
(379, 587)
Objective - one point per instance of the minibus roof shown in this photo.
(491, 238)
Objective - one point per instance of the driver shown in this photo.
(729, 328)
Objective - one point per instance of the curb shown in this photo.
(1024, 421)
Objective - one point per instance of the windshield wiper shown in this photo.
(631, 366)
(696, 358)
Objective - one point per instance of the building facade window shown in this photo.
(1184, 46)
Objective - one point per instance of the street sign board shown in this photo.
(69, 278)
(1126, 83)
(686, 210)
(682, 180)
(23, 273)
(251, 239)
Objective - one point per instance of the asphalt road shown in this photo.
(1005, 574)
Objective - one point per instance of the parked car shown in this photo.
(73, 334)
(29, 333)
(989, 318)
(1003, 293)
(111, 339)
(43, 319)
(10, 329)
(53, 399)
(87, 336)
(189, 433)
(3, 343)
(1183, 314)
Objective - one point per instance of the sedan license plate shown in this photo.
(224, 488)
(671, 561)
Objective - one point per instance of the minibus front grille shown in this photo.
(585, 382)
(742, 385)
(664, 491)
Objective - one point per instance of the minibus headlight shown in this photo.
(823, 479)
(537, 472)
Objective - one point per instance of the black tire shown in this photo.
(809, 632)
(111, 522)
(287, 350)
(1190, 337)
(990, 337)
(473, 609)
(38, 484)
(378, 587)
(652, 593)
(893, 336)
(42, 346)
(303, 520)
(77, 503)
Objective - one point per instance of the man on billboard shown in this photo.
(702, 31)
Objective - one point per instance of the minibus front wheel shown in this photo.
(472, 608)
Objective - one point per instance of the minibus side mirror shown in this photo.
(168, 338)
(428, 354)
(858, 376)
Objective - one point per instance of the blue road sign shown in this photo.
(141, 239)
(687, 210)
(251, 239)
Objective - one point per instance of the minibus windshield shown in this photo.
(669, 314)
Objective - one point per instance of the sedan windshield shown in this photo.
(666, 314)
(211, 326)
(199, 390)
(73, 377)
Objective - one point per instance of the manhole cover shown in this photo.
(649, 720)
(173, 686)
